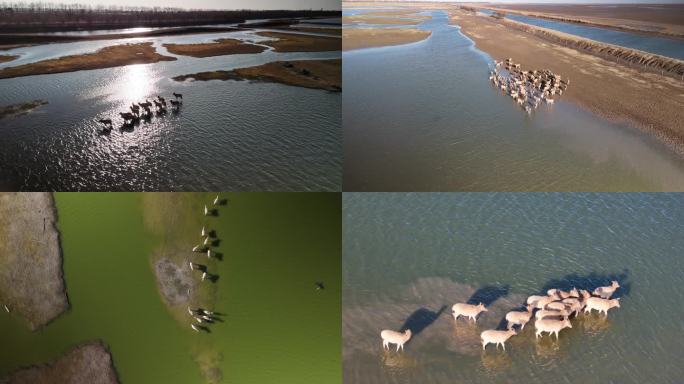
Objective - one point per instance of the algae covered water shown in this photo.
(275, 324)
(409, 257)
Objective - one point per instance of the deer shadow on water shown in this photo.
(590, 282)
(421, 319)
(487, 295)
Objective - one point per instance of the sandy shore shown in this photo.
(290, 42)
(661, 19)
(376, 37)
(650, 101)
(20, 109)
(316, 74)
(87, 363)
(108, 57)
(217, 48)
(31, 276)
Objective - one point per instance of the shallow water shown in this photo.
(659, 45)
(423, 116)
(275, 247)
(228, 135)
(407, 256)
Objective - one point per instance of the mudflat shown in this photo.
(291, 42)
(31, 275)
(108, 57)
(88, 363)
(378, 20)
(666, 19)
(315, 74)
(377, 37)
(218, 47)
(650, 101)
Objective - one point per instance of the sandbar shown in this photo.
(377, 37)
(218, 47)
(108, 57)
(660, 19)
(31, 276)
(87, 363)
(291, 42)
(652, 102)
(315, 74)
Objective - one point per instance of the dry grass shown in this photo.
(6, 58)
(219, 47)
(31, 276)
(316, 74)
(108, 57)
(20, 109)
(88, 363)
(375, 37)
(290, 42)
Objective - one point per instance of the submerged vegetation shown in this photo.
(108, 57)
(20, 109)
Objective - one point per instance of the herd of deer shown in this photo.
(553, 314)
(135, 114)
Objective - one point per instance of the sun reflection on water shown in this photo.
(136, 82)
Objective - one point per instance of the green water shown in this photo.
(276, 325)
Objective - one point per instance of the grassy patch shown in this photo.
(217, 48)
(108, 57)
(290, 42)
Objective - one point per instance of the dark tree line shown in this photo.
(41, 16)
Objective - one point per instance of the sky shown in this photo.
(214, 4)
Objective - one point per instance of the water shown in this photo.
(406, 256)
(228, 135)
(659, 45)
(424, 116)
(275, 247)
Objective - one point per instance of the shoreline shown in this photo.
(314, 74)
(649, 102)
(37, 294)
(361, 38)
(86, 363)
(108, 57)
(578, 20)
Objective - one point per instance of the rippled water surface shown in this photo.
(228, 135)
(423, 116)
(408, 257)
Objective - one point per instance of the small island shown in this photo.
(218, 47)
(20, 109)
(7, 58)
(108, 57)
(316, 74)
(376, 37)
(290, 42)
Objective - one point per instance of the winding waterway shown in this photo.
(235, 135)
(424, 117)
(407, 258)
